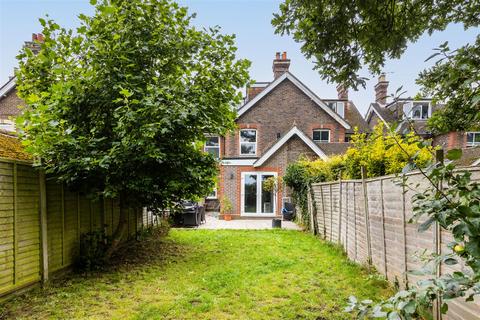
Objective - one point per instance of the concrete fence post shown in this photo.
(366, 215)
(324, 231)
(340, 209)
(384, 240)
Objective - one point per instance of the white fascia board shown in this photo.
(301, 86)
(284, 139)
(476, 163)
(238, 162)
(8, 86)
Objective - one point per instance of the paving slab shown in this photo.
(212, 222)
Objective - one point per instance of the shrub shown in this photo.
(381, 153)
(385, 153)
(93, 249)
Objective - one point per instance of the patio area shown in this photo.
(212, 222)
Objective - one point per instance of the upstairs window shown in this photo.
(212, 146)
(321, 135)
(417, 110)
(338, 107)
(248, 142)
(473, 139)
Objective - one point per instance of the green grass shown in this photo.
(203, 274)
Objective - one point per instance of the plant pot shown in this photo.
(227, 217)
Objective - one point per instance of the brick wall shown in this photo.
(230, 185)
(9, 105)
(277, 112)
(451, 140)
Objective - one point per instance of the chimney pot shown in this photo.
(381, 89)
(34, 36)
(40, 37)
(284, 55)
(277, 56)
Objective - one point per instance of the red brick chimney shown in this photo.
(381, 90)
(342, 92)
(34, 45)
(280, 64)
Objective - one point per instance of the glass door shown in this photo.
(255, 200)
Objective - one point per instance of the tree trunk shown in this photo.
(119, 233)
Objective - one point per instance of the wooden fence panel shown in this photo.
(7, 240)
(27, 231)
(68, 215)
(345, 210)
(55, 225)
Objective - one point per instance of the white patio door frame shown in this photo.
(259, 213)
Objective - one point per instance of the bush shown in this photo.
(380, 152)
(384, 153)
(93, 249)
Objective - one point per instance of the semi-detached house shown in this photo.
(279, 121)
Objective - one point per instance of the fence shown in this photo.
(41, 223)
(369, 218)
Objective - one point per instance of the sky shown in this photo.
(249, 20)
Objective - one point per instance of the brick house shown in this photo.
(278, 122)
(10, 103)
(419, 111)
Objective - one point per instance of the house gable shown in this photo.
(307, 92)
(294, 132)
(275, 114)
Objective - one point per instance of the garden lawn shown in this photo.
(211, 274)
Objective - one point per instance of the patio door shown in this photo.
(256, 201)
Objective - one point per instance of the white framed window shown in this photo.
(213, 194)
(248, 142)
(338, 107)
(417, 110)
(212, 146)
(321, 135)
(473, 139)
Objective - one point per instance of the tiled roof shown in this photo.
(333, 148)
(355, 119)
(11, 148)
(384, 112)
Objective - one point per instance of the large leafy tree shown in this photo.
(117, 106)
(343, 36)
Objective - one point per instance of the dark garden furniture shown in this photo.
(190, 214)
(288, 211)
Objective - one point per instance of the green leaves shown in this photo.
(454, 154)
(139, 87)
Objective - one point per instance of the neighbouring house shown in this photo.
(419, 111)
(279, 121)
(10, 103)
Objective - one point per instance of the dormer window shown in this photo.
(338, 107)
(248, 142)
(417, 110)
(212, 146)
(321, 135)
(473, 139)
